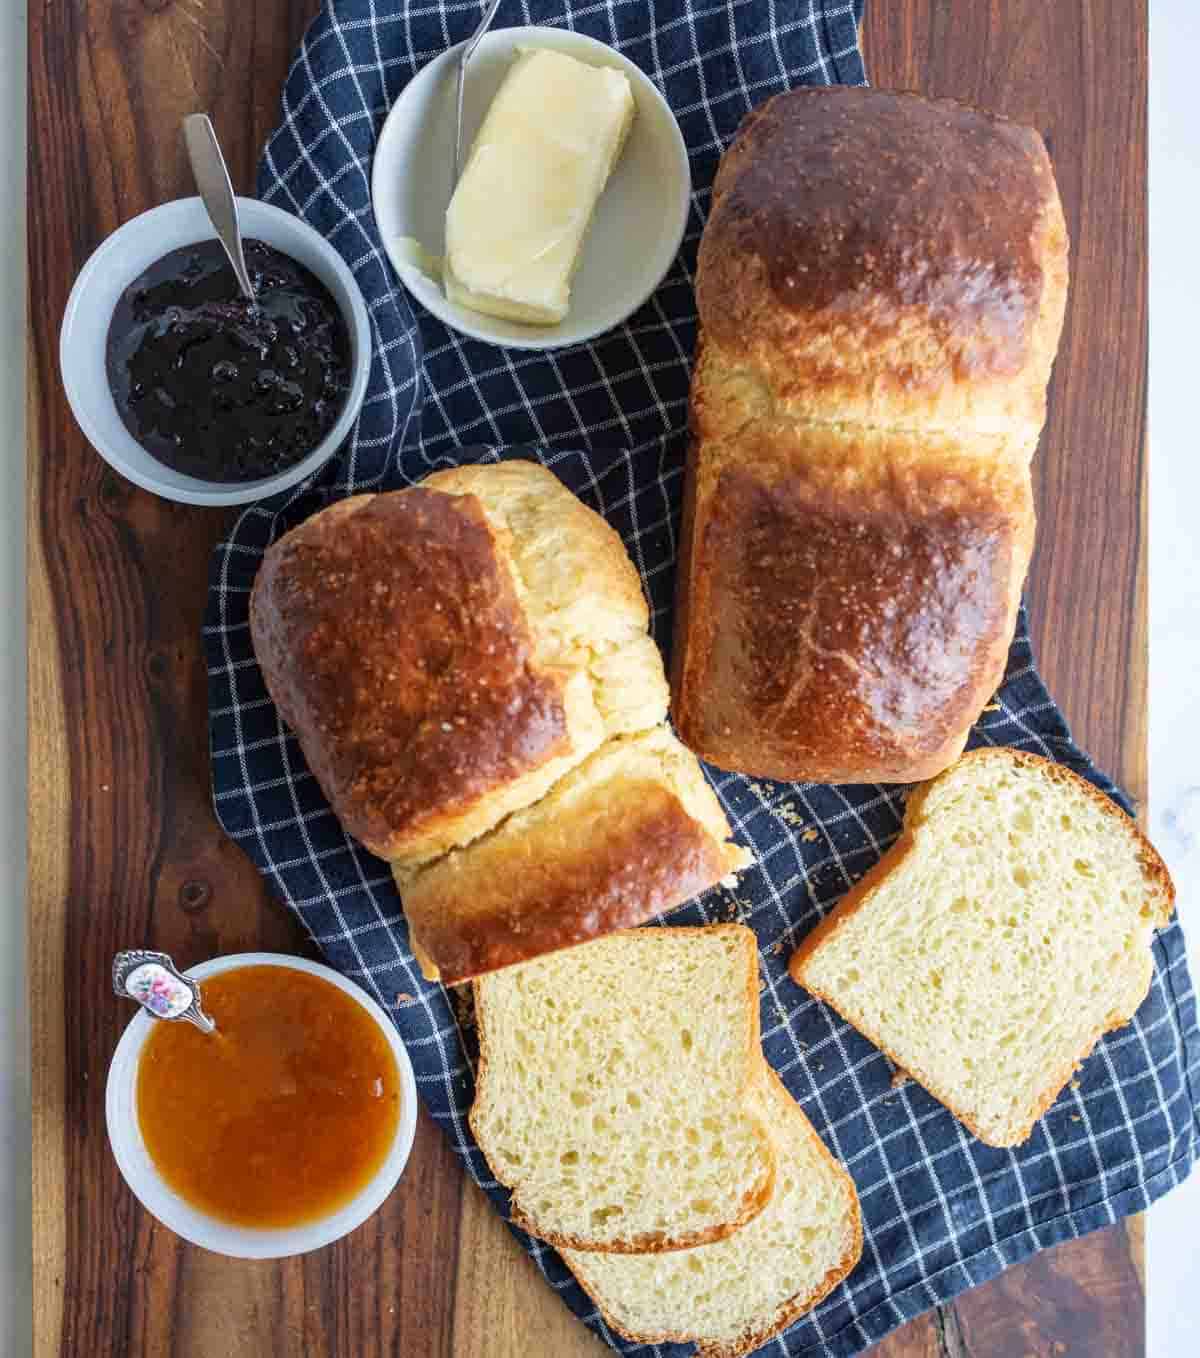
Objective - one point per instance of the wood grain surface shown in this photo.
(124, 850)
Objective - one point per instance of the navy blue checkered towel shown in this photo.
(942, 1211)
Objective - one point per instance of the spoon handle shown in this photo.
(212, 180)
(468, 49)
(157, 984)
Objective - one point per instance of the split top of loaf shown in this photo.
(447, 655)
(881, 288)
(1006, 930)
(616, 1089)
(629, 833)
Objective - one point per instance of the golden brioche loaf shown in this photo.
(447, 655)
(881, 288)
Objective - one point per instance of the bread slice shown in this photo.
(633, 831)
(616, 1089)
(1005, 931)
(732, 1296)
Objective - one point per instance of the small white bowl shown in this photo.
(129, 251)
(243, 1242)
(639, 221)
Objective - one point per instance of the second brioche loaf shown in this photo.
(881, 287)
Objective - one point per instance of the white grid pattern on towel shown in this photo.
(942, 1212)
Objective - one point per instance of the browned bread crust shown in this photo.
(392, 641)
(1162, 892)
(881, 287)
(626, 859)
(887, 258)
(849, 603)
(613, 845)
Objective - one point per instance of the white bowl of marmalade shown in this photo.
(192, 392)
(280, 1132)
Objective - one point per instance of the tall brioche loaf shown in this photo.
(731, 1297)
(881, 287)
(447, 656)
(616, 1089)
(1006, 930)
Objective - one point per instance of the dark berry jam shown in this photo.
(219, 388)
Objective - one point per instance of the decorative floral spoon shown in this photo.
(157, 984)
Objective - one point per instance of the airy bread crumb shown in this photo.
(1005, 931)
(616, 1089)
(732, 1296)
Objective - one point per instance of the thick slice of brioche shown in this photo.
(616, 1089)
(633, 831)
(1007, 929)
(732, 1296)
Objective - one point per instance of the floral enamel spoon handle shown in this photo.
(154, 981)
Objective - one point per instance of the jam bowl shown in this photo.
(101, 289)
(130, 1100)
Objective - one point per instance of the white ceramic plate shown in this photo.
(638, 224)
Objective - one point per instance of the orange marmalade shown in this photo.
(284, 1113)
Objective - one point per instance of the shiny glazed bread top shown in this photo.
(886, 259)
(881, 288)
(436, 680)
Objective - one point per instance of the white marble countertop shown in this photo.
(1173, 1260)
(1172, 1256)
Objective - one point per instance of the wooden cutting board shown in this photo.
(123, 847)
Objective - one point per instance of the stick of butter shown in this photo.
(517, 220)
